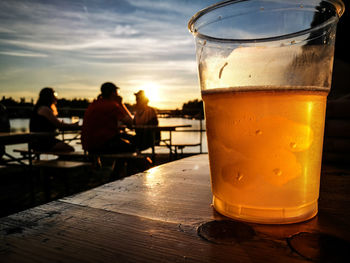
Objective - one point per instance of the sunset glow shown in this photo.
(152, 92)
(75, 46)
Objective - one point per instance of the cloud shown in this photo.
(99, 29)
(125, 30)
(88, 41)
(6, 30)
(51, 46)
(23, 54)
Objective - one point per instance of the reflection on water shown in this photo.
(19, 125)
(190, 137)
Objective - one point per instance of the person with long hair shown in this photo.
(44, 119)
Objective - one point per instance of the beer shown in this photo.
(265, 151)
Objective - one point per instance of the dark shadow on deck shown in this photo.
(21, 188)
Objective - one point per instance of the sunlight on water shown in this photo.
(19, 125)
(22, 125)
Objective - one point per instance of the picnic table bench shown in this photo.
(164, 215)
(82, 158)
(27, 153)
(165, 142)
(72, 160)
(168, 142)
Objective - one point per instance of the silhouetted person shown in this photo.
(44, 119)
(145, 115)
(101, 124)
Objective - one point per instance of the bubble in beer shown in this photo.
(258, 132)
(277, 172)
(293, 145)
(239, 176)
(235, 173)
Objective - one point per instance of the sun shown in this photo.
(152, 91)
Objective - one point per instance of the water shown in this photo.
(19, 125)
(179, 137)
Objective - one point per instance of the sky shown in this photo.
(75, 46)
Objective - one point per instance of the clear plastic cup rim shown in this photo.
(340, 8)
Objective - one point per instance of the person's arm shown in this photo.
(47, 113)
(126, 115)
(127, 119)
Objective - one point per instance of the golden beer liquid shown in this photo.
(265, 152)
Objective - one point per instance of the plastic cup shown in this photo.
(265, 70)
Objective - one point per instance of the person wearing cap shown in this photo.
(145, 115)
(44, 119)
(101, 123)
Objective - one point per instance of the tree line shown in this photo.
(77, 107)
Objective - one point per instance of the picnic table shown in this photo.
(168, 142)
(164, 215)
(11, 138)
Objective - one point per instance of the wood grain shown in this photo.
(155, 216)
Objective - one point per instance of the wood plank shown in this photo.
(119, 155)
(157, 216)
(180, 191)
(8, 138)
(180, 145)
(59, 164)
(25, 151)
(162, 193)
(61, 232)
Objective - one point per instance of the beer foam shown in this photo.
(265, 89)
(268, 66)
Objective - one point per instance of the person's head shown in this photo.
(47, 97)
(141, 98)
(108, 90)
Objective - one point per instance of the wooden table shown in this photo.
(10, 138)
(167, 142)
(76, 131)
(7, 138)
(164, 215)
